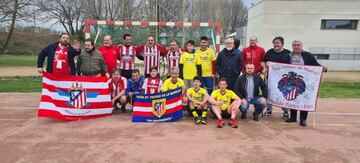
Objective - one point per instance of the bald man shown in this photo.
(253, 54)
(109, 53)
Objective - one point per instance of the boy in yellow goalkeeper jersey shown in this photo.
(198, 98)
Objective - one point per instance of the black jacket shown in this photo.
(308, 59)
(228, 63)
(49, 52)
(241, 82)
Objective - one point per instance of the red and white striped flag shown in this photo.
(72, 98)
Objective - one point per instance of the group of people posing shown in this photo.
(242, 74)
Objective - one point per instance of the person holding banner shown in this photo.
(91, 62)
(198, 98)
(134, 85)
(117, 86)
(60, 57)
(247, 88)
(153, 83)
(175, 82)
(276, 54)
(300, 57)
(225, 104)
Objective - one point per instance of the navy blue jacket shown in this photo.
(228, 63)
(49, 52)
(240, 86)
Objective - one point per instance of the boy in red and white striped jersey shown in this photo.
(153, 83)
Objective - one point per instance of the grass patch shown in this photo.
(18, 60)
(339, 90)
(33, 84)
(20, 84)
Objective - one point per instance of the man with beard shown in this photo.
(60, 56)
(91, 62)
(228, 63)
(208, 58)
(109, 53)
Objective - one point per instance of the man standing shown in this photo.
(300, 57)
(127, 53)
(152, 53)
(276, 54)
(228, 63)
(60, 57)
(208, 58)
(190, 64)
(109, 53)
(173, 56)
(91, 62)
(253, 54)
(247, 88)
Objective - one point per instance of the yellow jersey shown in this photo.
(206, 57)
(198, 96)
(189, 61)
(225, 98)
(169, 85)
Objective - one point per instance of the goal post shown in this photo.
(215, 26)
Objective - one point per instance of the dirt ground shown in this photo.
(25, 138)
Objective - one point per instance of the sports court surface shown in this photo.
(24, 138)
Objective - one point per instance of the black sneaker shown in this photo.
(268, 112)
(197, 120)
(256, 117)
(203, 121)
(303, 123)
(243, 115)
(290, 120)
(285, 115)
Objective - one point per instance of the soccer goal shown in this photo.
(164, 32)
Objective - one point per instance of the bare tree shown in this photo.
(13, 11)
(66, 12)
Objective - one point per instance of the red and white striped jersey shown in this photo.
(115, 89)
(151, 56)
(152, 85)
(173, 58)
(127, 57)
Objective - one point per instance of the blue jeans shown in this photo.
(257, 105)
(208, 82)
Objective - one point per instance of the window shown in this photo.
(339, 24)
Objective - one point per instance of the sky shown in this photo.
(58, 27)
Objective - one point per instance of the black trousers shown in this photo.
(303, 115)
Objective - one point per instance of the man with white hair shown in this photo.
(300, 57)
(228, 63)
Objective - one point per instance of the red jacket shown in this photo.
(110, 55)
(253, 55)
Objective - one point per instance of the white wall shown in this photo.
(301, 19)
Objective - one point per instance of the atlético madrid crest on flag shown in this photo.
(77, 96)
(159, 107)
(291, 85)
